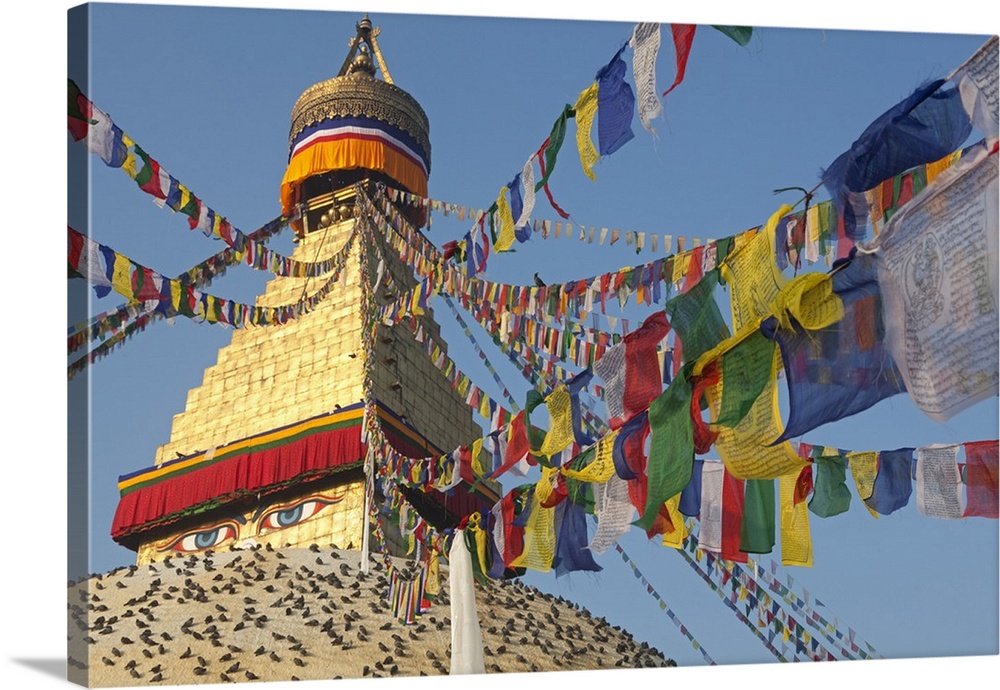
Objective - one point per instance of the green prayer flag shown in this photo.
(73, 103)
(757, 528)
(746, 371)
(740, 34)
(696, 317)
(556, 138)
(536, 436)
(671, 447)
(830, 493)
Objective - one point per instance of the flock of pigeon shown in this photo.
(298, 614)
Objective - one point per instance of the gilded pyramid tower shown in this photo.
(269, 448)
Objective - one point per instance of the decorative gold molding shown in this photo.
(360, 95)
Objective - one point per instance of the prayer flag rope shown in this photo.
(482, 355)
(200, 275)
(731, 606)
(106, 269)
(739, 580)
(106, 140)
(665, 607)
(816, 620)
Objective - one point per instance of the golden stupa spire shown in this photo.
(366, 37)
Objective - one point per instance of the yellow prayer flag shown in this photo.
(560, 432)
(753, 275)
(745, 448)
(813, 223)
(433, 582)
(864, 469)
(175, 295)
(505, 238)
(675, 538)
(681, 264)
(811, 300)
(939, 166)
(586, 108)
(121, 275)
(796, 544)
(539, 531)
(478, 463)
(601, 467)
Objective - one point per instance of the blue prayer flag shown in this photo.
(615, 106)
(926, 126)
(840, 370)
(892, 487)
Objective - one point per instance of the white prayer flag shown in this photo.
(939, 484)
(712, 478)
(939, 282)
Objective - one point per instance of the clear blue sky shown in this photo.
(208, 92)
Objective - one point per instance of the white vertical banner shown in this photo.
(466, 635)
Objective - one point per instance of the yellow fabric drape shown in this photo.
(129, 166)
(175, 295)
(347, 154)
(432, 584)
(121, 275)
(478, 463)
(586, 108)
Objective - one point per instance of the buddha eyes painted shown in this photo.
(204, 539)
(285, 517)
(265, 520)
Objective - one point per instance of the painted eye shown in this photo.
(293, 515)
(205, 539)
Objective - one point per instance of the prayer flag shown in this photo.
(712, 479)
(732, 518)
(981, 479)
(757, 528)
(630, 370)
(939, 484)
(586, 109)
(615, 106)
(830, 493)
(671, 448)
(683, 37)
(893, 486)
(927, 125)
(645, 44)
(796, 543)
(843, 368)
(740, 34)
(939, 279)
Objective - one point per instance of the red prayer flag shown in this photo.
(683, 37)
(732, 518)
(981, 479)
(642, 368)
